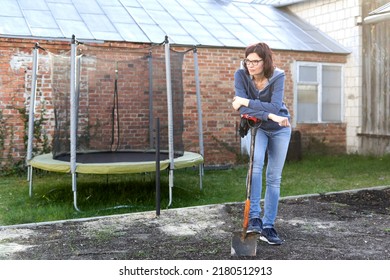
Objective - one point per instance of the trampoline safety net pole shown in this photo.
(73, 120)
(170, 117)
(31, 117)
(200, 121)
(151, 117)
(158, 183)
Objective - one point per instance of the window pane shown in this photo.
(307, 74)
(331, 93)
(331, 75)
(307, 103)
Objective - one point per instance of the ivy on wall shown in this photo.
(41, 141)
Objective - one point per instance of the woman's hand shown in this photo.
(238, 102)
(282, 121)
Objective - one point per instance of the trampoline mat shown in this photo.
(111, 157)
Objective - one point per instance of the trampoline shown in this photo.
(114, 162)
(104, 110)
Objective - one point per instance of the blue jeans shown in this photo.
(275, 143)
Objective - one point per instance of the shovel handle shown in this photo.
(251, 158)
(246, 214)
(249, 179)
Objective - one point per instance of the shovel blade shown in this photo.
(244, 245)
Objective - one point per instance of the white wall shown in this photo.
(339, 19)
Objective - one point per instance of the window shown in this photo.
(319, 93)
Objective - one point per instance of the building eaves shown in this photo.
(214, 23)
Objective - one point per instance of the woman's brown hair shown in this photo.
(265, 53)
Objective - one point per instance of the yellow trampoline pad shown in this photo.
(46, 162)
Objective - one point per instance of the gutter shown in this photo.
(376, 18)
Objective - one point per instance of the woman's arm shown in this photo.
(238, 102)
(260, 109)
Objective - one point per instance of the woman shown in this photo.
(259, 92)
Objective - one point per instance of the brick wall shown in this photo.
(216, 71)
(222, 142)
(12, 99)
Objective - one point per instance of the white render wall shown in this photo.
(340, 20)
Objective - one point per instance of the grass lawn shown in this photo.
(53, 197)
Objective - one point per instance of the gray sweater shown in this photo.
(265, 101)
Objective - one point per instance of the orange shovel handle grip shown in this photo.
(246, 214)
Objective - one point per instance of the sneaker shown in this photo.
(255, 225)
(270, 236)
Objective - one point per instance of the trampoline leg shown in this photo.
(74, 188)
(200, 176)
(170, 186)
(29, 179)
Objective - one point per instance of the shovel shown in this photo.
(244, 244)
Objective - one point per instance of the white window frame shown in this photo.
(318, 83)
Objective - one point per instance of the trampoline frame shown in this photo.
(44, 162)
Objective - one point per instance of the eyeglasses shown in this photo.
(252, 62)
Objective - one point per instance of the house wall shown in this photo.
(15, 63)
(341, 20)
(375, 134)
(216, 71)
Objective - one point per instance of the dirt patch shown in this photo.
(340, 226)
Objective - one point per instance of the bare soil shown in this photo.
(340, 226)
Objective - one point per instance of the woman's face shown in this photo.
(254, 63)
